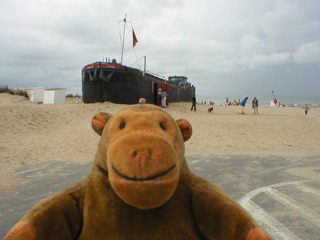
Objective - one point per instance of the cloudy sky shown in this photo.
(239, 47)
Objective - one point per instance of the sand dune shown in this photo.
(32, 133)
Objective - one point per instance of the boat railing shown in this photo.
(156, 75)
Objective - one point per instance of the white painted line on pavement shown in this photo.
(31, 170)
(306, 188)
(271, 225)
(255, 192)
(309, 214)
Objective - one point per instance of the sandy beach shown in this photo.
(33, 133)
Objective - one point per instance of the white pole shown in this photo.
(145, 66)
(124, 32)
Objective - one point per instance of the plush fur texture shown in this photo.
(140, 187)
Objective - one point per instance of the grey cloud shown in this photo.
(223, 46)
(307, 53)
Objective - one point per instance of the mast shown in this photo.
(124, 32)
(145, 66)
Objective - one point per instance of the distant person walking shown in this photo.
(194, 100)
(243, 103)
(306, 109)
(255, 104)
(164, 99)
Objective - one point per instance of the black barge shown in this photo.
(117, 83)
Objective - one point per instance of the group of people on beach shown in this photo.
(255, 105)
(163, 95)
(234, 103)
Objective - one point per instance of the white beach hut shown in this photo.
(55, 96)
(35, 94)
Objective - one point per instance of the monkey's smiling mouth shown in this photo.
(143, 179)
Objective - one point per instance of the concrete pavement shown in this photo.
(281, 193)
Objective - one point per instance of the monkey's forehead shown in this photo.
(156, 122)
(148, 116)
(143, 110)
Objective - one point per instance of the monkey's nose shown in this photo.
(142, 158)
(147, 153)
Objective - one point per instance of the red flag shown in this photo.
(135, 40)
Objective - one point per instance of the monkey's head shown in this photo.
(142, 150)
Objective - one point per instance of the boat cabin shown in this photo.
(180, 80)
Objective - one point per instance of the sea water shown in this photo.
(289, 101)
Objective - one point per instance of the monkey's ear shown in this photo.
(99, 121)
(185, 128)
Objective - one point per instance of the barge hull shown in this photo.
(127, 85)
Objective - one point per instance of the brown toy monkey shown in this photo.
(140, 187)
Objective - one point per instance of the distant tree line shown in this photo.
(71, 95)
(14, 91)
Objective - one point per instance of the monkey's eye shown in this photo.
(163, 126)
(122, 125)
